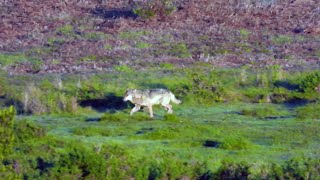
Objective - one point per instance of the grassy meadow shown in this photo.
(233, 124)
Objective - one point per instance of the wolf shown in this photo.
(150, 97)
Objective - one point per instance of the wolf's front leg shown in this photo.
(150, 110)
(135, 109)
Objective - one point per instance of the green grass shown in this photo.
(282, 39)
(143, 45)
(244, 33)
(132, 35)
(66, 30)
(9, 59)
(239, 135)
(244, 143)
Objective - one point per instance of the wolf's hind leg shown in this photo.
(165, 107)
(135, 109)
(168, 108)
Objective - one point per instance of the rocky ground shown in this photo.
(66, 36)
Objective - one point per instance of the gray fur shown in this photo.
(150, 97)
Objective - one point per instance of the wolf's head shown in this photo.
(128, 96)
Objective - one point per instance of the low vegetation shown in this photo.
(233, 123)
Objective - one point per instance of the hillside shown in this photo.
(80, 36)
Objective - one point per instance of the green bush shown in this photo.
(310, 81)
(244, 33)
(236, 143)
(6, 141)
(149, 9)
(309, 111)
(79, 160)
(282, 39)
(302, 168)
(46, 100)
(167, 66)
(123, 68)
(263, 112)
(143, 45)
(6, 131)
(255, 94)
(9, 59)
(50, 158)
(179, 50)
(66, 30)
(26, 130)
(203, 88)
(90, 91)
(232, 170)
(280, 95)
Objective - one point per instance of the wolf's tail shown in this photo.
(174, 99)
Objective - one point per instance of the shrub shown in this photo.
(206, 88)
(77, 161)
(90, 90)
(244, 33)
(9, 59)
(6, 131)
(236, 143)
(149, 9)
(310, 111)
(167, 66)
(25, 130)
(257, 95)
(302, 168)
(31, 100)
(263, 112)
(179, 50)
(143, 45)
(280, 95)
(123, 68)
(66, 30)
(282, 39)
(232, 170)
(310, 81)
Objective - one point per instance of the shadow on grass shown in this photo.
(113, 13)
(287, 85)
(144, 130)
(110, 103)
(297, 102)
(211, 144)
